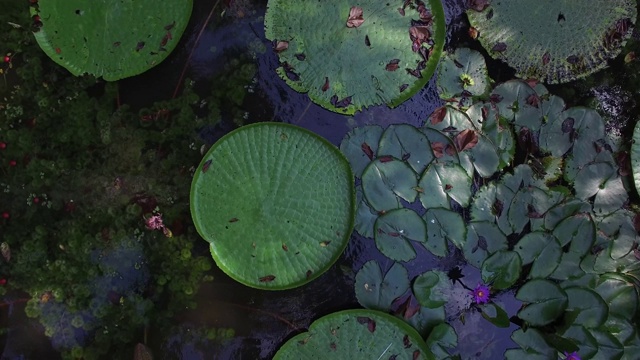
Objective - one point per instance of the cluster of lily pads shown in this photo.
(552, 223)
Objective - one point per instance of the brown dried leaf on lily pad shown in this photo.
(419, 33)
(438, 149)
(355, 17)
(392, 65)
(478, 5)
(466, 139)
(281, 46)
(438, 115)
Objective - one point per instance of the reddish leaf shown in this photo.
(332, 346)
(466, 139)
(281, 46)
(478, 5)
(386, 158)
(416, 354)
(367, 150)
(355, 17)
(419, 34)
(392, 65)
(532, 82)
(567, 125)
(406, 342)
(206, 165)
(371, 325)
(325, 87)
(401, 11)
(343, 103)
(495, 98)
(438, 115)
(624, 165)
(448, 187)
(533, 100)
(268, 278)
(438, 149)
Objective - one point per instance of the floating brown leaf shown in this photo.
(268, 278)
(386, 158)
(406, 342)
(438, 149)
(281, 46)
(438, 115)
(403, 87)
(419, 34)
(466, 139)
(355, 17)
(392, 65)
(533, 100)
(325, 87)
(366, 149)
(478, 5)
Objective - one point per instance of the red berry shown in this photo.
(3, 282)
(36, 200)
(3, 145)
(7, 59)
(6, 215)
(13, 163)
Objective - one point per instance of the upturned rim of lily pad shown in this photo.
(276, 202)
(349, 55)
(555, 41)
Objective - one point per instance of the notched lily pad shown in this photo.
(547, 301)
(386, 180)
(396, 230)
(463, 71)
(377, 291)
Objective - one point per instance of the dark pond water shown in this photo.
(264, 320)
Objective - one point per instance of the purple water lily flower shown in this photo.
(481, 294)
(572, 356)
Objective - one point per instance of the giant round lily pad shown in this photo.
(349, 54)
(555, 41)
(356, 335)
(110, 38)
(276, 203)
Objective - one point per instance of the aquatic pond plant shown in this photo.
(276, 203)
(96, 238)
(349, 55)
(553, 224)
(111, 39)
(553, 41)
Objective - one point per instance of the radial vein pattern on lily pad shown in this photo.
(110, 38)
(350, 54)
(356, 335)
(555, 41)
(276, 203)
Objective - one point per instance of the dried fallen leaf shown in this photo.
(281, 46)
(392, 65)
(419, 34)
(268, 278)
(478, 5)
(546, 58)
(438, 149)
(355, 17)
(499, 47)
(366, 149)
(438, 115)
(325, 87)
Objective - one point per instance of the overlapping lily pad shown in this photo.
(547, 39)
(110, 38)
(348, 55)
(275, 202)
(356, 334)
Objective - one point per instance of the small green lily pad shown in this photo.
(464, 70)
(396, 230)
(542, 250)
(276, 203)
(483, 239)
(360, 146)
(547, 301)
(377, 292)
(405, 142)
(110, 38)
(585, 307)
(444, 225)
(442, 182)
(349, 55)
(356, 334)
(432, 288)
(502, 269)
(386, 180)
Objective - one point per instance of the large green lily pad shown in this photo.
(348, 55)
(110, 38)
(555, 41)
(276, 202)
(356, 335)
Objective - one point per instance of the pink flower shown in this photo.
(573, 356)
(481, 294)
(154, 222)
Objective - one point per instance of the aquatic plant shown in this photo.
(111, 39)
(571, 236)
(275, 202)
(348, 55)
(549, 40)
(356, 334)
